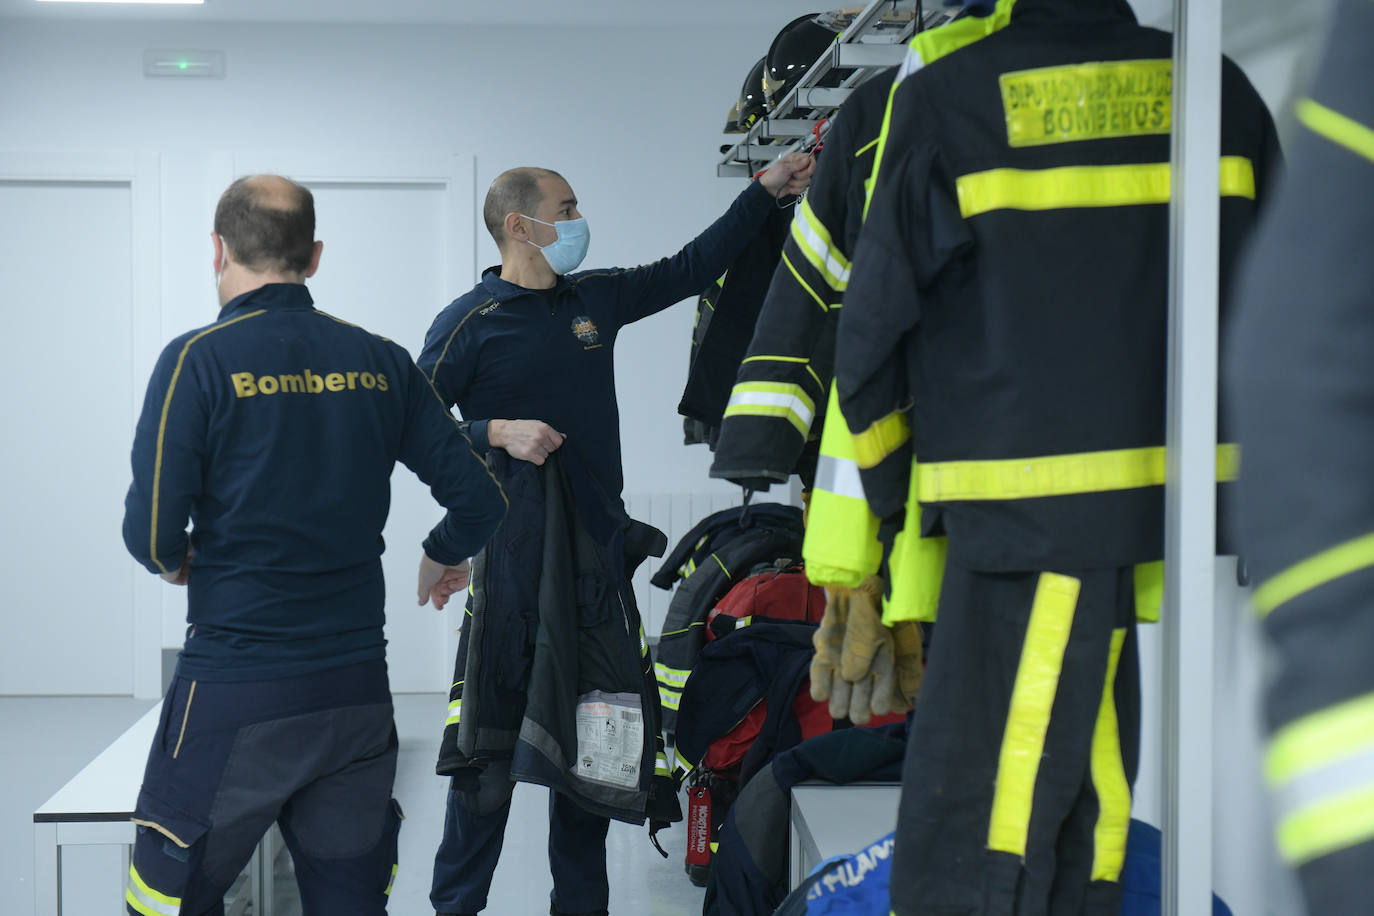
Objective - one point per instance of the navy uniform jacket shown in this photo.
(505, 352)
(275, 430)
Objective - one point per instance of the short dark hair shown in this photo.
(268, 222)
(513, 191)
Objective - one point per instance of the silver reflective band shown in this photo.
(819, 252)
(789, 402)
(1325, 783)
(839, 476)
(147, 901)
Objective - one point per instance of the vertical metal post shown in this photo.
(1190, 515)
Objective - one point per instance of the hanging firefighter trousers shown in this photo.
(1016, 787)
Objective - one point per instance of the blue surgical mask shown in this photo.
(565, 254)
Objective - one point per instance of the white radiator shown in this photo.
(674, 514)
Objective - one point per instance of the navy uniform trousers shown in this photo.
(315, 754)
(479, 797)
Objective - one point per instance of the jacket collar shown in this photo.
(1076, 11)
(503, 290)
(270, 296)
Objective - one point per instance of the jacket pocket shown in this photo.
(592, 599)
(167, 853)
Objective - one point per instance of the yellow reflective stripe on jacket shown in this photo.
(1149, 591)
(1342, 821)
(773, 399)
(392, 881)
(1055, 475)
(688, 628)
(1321, 768)
(1109, 778)
(1320, 739)
(1316, 571)
(925, 48)
(455, 713)
(815, 242)
(881, 439)
(796, 275)
(147, 901)
(1028, 718)
(669, 699)
(916, 568)
(1087, 186)
(674, 677)
(661, 767)
(1336, 127)
(841, 542)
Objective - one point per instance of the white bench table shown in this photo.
(94, 808)
(830, 820)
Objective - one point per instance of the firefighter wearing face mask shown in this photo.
(527, 356)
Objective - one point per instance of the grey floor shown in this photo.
(48, 739)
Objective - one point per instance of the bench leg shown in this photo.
(47, 872)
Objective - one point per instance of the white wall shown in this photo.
(631, 117)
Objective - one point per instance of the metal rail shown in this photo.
(865, 46)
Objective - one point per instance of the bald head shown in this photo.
(515, 191)
(268, 223)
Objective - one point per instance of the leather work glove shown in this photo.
(829, 641)
(855, 662)
(864, 634)
(872, 694)
(909, 664)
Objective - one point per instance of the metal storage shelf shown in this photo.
(867, 46)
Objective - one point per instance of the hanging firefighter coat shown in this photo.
(780, 390)
(1007, 289)
(733, 304)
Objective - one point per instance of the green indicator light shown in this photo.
(182, 65)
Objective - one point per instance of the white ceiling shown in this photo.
(593, 13)
(1248, 23)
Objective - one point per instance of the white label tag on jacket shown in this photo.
(610, 738)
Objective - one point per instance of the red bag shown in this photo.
(782, 594)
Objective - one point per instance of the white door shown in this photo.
(69, 267)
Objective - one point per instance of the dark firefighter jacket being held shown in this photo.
(1007, 296)
(558, 678)
(1303, 397)
(279, 425)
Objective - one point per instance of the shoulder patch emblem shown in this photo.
(585, 329)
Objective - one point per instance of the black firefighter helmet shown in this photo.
(792, 53)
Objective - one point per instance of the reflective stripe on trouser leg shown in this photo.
(1028, 718)
(1109, 779)
(144, 900)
